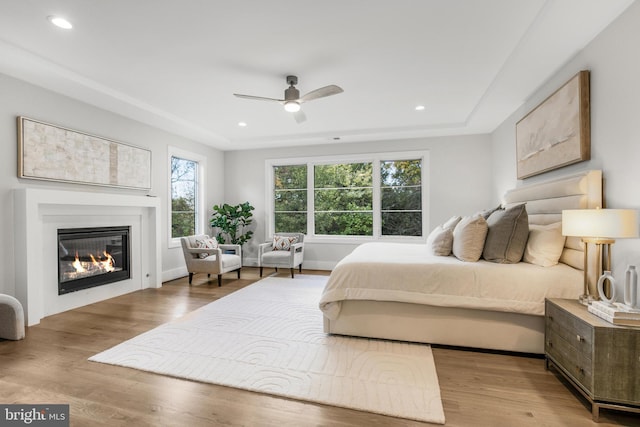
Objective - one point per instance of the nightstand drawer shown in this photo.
(571, 359)
(574, 331)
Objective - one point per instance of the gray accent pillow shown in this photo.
(507, 235)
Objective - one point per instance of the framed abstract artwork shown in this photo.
(557, 132)
(54, 153)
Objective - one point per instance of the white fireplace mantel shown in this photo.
(38, 213)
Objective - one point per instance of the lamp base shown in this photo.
(587, 299)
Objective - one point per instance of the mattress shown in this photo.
(403, 272)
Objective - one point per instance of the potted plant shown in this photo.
(231, 222)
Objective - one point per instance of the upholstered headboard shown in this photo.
(545, 202)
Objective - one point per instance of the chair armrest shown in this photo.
(297, 247)
(237, 249)
(264, 247)
(203, 251)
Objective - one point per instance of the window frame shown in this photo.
(200, 226)
(376, 159)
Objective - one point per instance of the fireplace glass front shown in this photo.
(89, 257)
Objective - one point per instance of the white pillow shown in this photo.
(468, 238)
(545, 244)
(206, 244)
(451, 223)
(440, 241)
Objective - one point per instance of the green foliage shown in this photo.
(344, 223)
(401, 197)
(231, 222)
(343, 175)
(343, 198)
(182, 217)
(291, 222)
(183, 197)
(290, 198)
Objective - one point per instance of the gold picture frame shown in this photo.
(53, 153)
(557, 132)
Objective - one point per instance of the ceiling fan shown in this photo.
(292, 98)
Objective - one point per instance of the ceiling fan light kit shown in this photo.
(291, 106)
(292, 100)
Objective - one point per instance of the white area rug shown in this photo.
(268, 338)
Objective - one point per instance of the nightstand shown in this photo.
(601, 360)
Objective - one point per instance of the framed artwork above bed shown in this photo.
(557, 132)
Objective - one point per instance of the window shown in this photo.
(343, 199)
(186, 210)
(377, 196)
(401, 197)
(290, 198)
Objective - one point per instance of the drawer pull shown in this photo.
(550, 318)
(579, 338)
(580, 370)
(549, 343)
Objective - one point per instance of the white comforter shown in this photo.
(407, 273)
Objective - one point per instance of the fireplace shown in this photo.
(89, 257)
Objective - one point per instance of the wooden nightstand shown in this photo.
(600, 359)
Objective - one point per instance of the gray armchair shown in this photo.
(291, 258)
(218, 261)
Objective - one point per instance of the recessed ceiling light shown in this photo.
(419, 107)
(242, 124)
(60, 22)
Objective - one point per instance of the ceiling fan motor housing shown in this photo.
(291, 94)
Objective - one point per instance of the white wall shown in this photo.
(614, 63)
(21, 98)
(460, 182)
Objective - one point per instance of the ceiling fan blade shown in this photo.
(322, 92)
(299, 116)
(258, 98)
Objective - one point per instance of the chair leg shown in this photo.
(190, 277)
(300, 268)
(292, 272)
(239, 273)
(219, 280)
(260, 271)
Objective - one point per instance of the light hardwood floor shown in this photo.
(50, 366)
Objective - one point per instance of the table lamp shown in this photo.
(600, 227)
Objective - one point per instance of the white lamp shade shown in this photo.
(600, 223)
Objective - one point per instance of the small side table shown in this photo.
(601, 360)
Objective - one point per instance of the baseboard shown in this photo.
(177, 273)
(174, 274)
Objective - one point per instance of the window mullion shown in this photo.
(376, 204)
(311, 207)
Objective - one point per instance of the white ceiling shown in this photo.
(175, 64)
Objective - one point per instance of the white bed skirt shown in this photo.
(440, 325)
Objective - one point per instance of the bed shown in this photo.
(399, 291)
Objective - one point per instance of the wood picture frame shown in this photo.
(557, 132)
(53, 153)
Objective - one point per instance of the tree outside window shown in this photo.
(184, 190)
(371, 197)
(343, 197)
(290, 198)
(401, 197)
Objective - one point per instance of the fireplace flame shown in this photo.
(106, 264)
(78, 265)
